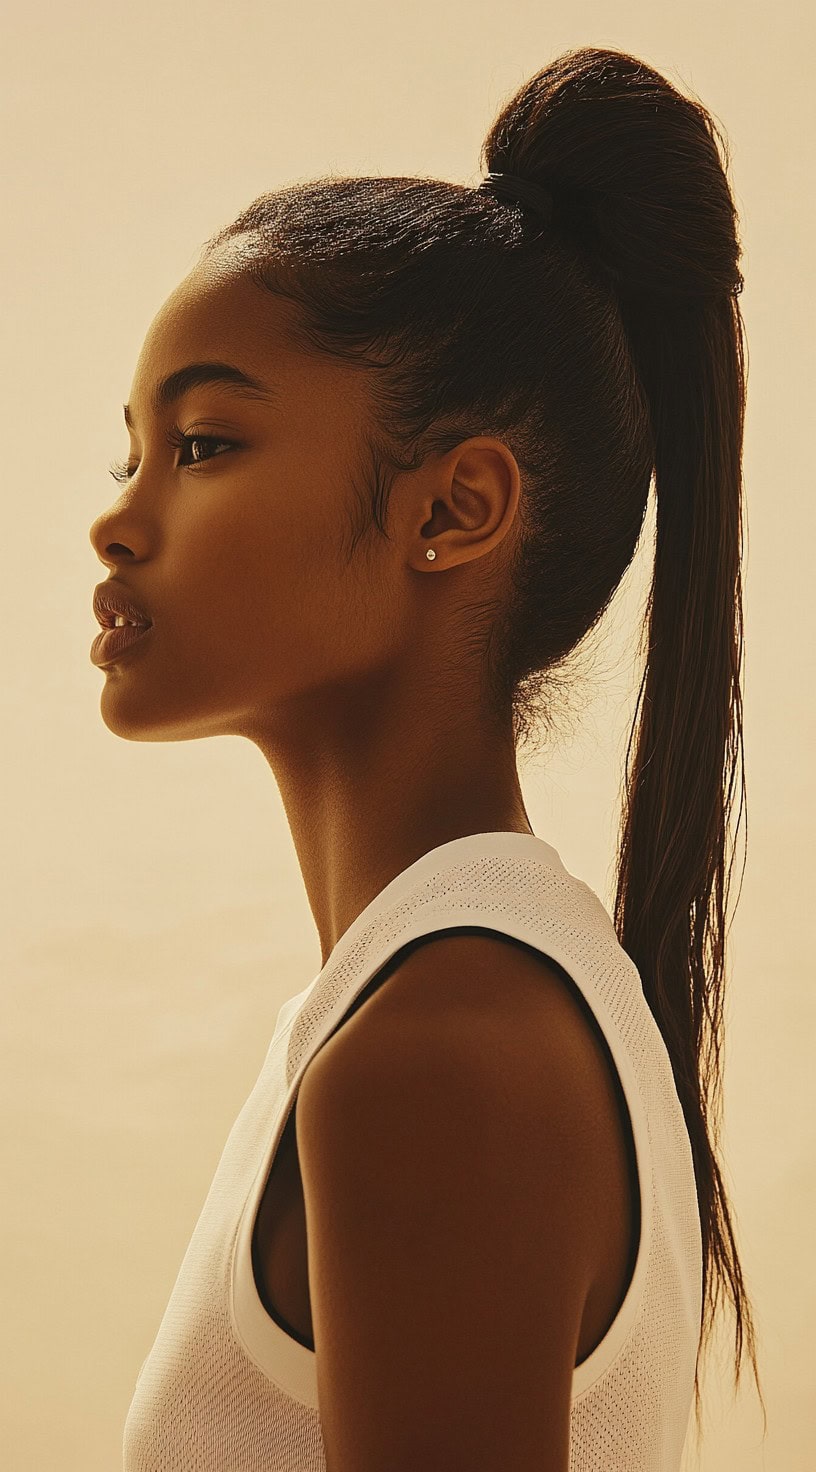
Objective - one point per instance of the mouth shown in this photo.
(114, 606)
(122, 623)
(109, 620)
(115, 640)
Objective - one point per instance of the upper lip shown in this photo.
(111, 600)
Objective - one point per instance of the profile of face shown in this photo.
(237, 544)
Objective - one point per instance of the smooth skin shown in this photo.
(356, 679)
(455, 1137)
(468, 1216)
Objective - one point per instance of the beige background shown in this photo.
(153, 912)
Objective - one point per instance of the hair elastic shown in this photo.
(524, 192)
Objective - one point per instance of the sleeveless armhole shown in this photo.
(633, 1178)
(261, 1326)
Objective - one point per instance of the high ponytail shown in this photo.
(606, 349)
(644, 190)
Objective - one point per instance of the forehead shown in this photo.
(218, 313)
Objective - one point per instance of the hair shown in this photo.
(606, 348)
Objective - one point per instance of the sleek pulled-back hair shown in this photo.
(604, 348)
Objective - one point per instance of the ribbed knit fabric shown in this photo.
(226, 1389)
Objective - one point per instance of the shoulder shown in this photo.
(447, 1157)
(504, 1014)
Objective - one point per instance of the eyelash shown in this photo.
(119, 468)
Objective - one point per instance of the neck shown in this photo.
(376, 789)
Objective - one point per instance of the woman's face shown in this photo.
(238, 549)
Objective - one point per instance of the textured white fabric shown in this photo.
(226, 1389)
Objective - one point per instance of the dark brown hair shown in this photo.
(606, 348)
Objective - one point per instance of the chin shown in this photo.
(128, 714)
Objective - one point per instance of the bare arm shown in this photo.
(445, 1165)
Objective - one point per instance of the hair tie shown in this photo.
(524, 192)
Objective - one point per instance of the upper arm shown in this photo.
(444, 1167)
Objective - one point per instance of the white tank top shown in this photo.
(225, 1388)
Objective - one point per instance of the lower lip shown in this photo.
(108, 645)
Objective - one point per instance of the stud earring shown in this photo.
(430, 554)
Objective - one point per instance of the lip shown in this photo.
(112, 644)
(112, 600)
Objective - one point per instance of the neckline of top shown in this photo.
(469, 845)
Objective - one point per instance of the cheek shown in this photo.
(273, 594)
(326, 625)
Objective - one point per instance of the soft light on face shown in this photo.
(236, 541)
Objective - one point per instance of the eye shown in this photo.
(121, 471)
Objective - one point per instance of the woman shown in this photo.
(392, 444)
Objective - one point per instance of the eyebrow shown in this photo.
(172, 388)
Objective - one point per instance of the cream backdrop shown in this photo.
(154, 916)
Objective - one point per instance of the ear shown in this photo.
(464, 504)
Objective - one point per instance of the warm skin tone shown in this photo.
(358, 680)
